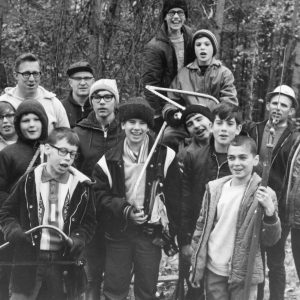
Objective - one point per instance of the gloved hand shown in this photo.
(173, 118)
(18, 236)
(77, 247)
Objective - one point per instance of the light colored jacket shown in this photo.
(56, 113)
(270, 232)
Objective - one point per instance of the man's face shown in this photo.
(280, 108)
(31, 126)
(135, 130)
(224, 131)
(241, 161)
(80, 83)
(60, 156)
(199, 127)
(103, 104)
(204, 51)
(7, 128)
(31, 83)
(175, 18)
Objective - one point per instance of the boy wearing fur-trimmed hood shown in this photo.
(143, 218)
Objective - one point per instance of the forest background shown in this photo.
(111, 34)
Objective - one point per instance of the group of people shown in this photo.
(92, 167)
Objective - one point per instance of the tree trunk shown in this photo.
(219, 18)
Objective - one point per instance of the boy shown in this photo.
(54, 193)
(204, 75)
(139, 220)
(224, 230)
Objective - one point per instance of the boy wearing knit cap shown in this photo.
(98, 132)
(205, 75)
(167, 52)
(140, 217)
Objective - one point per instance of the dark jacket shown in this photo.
(75, 111)
(200, 166)
(270, 232)
(279, 158)
(160, 63)
(111, 196)
(94, 142)
(20, 211)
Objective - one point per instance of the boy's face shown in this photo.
(60, 156)
(224, 131)
(7, 128)
(204, 51)
(103, 104)
(31, 126)
(135, 130)
(280, 108)
(175, 18)
(199, 127)
(241, 161)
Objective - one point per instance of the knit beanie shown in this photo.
(196, 109)
(80, 66)
(169, 4)
(31, 107)
(106, 85)
(203, 32)
(137, 108)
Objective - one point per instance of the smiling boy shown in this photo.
(56, 194)
(221, 241)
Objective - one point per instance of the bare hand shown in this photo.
(177, 115)
(194, 283)
(265, 200)
(138, 216)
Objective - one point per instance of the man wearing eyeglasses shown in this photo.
(166, 53)
(77, 104)
(27, 73)
(98, 132)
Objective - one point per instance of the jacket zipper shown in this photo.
(219, 166)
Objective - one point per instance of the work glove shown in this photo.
(173, 118)
(18, 236)
(77, 247)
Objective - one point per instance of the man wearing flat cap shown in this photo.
(81, 78)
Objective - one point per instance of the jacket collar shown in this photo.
(194, 65)
(71, 100)
(162, 34)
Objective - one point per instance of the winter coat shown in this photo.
(280, 156)
(3, 143)
(94, 142)
(270, 232)
(110, 189)
(20, 210)
(200, 166)
(160, 63)
(75, 111)
(56, 113)
(218, 81)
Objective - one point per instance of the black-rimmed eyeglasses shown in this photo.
(26, 75)
(107, 98)
(64, 152)
(7, 116)
(172, 13)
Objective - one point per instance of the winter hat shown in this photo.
(107, 85)
(80, 66)
(169, 4)
(196, 109)
(284, 90)
(203, 32)
(137, 108)
(31, 107)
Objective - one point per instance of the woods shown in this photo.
(111, 34)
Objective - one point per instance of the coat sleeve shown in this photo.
(227, 90)
(61, 115)
(5, 167)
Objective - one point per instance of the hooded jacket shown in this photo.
(160, 63)
(56, 113)
(94, 141)
(270, 232)
(75, 111)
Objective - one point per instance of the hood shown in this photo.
(31, 106)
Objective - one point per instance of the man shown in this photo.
(27, 73)
(98, 132)
(281, 106)
(167, 53)
(77, 104)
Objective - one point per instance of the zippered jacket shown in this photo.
(270, 232)
(200, 166)
(20, 211)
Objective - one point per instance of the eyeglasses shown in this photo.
(106, 98)
(26, 75)
(82, 78)
(172, 13)
(64, 152)
(7, 116)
